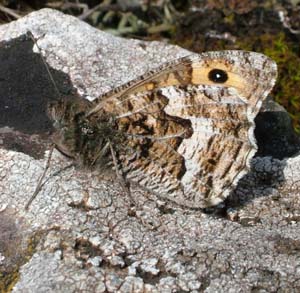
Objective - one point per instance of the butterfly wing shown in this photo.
(189, 124)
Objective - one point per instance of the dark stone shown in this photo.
(25, 91)
(274, 132)
(26, 87)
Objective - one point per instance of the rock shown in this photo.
(81, 233)
(274, 132)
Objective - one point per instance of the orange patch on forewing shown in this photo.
(149, 86)
(171, 79)
(200, 77)
(166, 79)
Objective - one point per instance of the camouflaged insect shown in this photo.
(183, 131)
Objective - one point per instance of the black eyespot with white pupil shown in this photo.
(218, 75)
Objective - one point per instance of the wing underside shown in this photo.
(187, 149)
(190, 140)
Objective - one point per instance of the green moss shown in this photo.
(230, 19)
(285, 53)
(10, 275)
(8, 281)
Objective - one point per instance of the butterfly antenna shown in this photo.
(40, 183)
(29, 33)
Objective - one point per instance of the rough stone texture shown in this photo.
(82, 233)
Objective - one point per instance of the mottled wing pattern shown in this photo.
(189, 136)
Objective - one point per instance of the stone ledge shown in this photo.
(81, 232)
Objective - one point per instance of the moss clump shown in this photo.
(285, 53)
(16, 256)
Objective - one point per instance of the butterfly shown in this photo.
(184, 131)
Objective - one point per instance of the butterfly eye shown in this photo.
(218, 75)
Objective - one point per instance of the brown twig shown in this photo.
(67, 5)
(104, 6)
(9, 12)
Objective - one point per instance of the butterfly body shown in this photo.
(183, 131)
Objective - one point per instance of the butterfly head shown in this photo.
(81, 136)
(65, 115)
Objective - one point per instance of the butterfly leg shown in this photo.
(41, 183)
(119, 174)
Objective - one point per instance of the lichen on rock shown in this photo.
(82, 232)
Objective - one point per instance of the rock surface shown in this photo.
(82, 234)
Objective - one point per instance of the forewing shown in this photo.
(190, 139)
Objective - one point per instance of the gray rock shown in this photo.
(82, 234)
